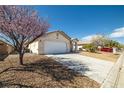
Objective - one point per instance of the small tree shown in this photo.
(99, 40)
(103, 41)
(21, 26)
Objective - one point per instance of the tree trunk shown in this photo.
(21, 58)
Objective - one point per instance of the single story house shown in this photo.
(52, 43)
(80, 44)
(5, 48)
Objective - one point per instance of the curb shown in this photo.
(112, 77)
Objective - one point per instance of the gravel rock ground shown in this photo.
(95, 69)
(40, 72)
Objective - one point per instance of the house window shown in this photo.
(57, 35)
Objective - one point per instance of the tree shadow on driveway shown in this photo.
(75, 65)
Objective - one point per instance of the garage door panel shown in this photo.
(51, 47)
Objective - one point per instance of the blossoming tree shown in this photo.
(20, 26)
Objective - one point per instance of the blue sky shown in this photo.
(83, 22)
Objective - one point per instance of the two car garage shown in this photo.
(52, 43)
(55, 47)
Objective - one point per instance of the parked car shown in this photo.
(107, 49)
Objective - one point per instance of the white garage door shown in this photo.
(51, 47)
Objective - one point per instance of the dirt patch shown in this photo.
(40, 72)
(102, 55)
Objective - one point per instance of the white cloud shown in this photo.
(89, 37)
(119, 32)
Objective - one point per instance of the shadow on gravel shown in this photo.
(56, 70)
(5, 84)
(3, 56)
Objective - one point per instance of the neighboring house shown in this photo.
(5, 48)
(80, 44)
(51, 43)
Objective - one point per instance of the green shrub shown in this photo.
(90, 48)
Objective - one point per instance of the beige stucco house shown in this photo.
(5, 48)
(52, 43)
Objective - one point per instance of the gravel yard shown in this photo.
(3, 56)
(41, 72)
(95, 69)
(102, 55)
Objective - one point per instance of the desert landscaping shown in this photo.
(102, 55)
(40, 71)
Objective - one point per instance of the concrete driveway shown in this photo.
(95, 69)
